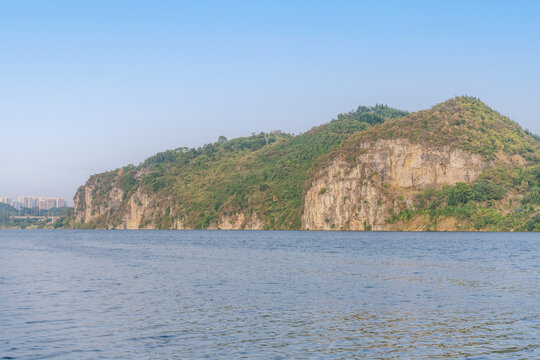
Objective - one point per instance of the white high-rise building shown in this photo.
(42, 202)
(27, 201)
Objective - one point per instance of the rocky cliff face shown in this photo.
(366, 170)
(88, 207)
(363, 192)
(359, 193)
(101, 203)
(239, 222)
(347, 193)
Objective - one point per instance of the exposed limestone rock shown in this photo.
(382, 179)
(344, 195)
(101, 208)
(362, 171)
(139, 207)
(140, 210)
(239, 221)
(87, 207)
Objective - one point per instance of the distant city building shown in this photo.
(51, 203)
(41, 202)
(28, 201)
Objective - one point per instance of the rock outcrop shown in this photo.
(140, 210)
(361, 194)
(376, 168)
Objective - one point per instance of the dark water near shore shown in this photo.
(228, 294)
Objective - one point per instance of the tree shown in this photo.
(460, 194)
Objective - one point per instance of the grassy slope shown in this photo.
(502, 199)
(247, 175)
(264, 173)
(505, 197)
(462, 122)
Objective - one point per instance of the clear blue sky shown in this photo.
(89, 86)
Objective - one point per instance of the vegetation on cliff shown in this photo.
(500, 199)
(462, 122)
(504, 197)
(264, 176)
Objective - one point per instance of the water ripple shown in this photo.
(302, 295)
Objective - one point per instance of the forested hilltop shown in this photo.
(457, 166)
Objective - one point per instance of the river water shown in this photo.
(69, 294)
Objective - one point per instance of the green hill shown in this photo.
(265, 176)
(462, 122)
(505, 196)
(263, 173)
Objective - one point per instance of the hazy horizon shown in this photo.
(91, 87)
